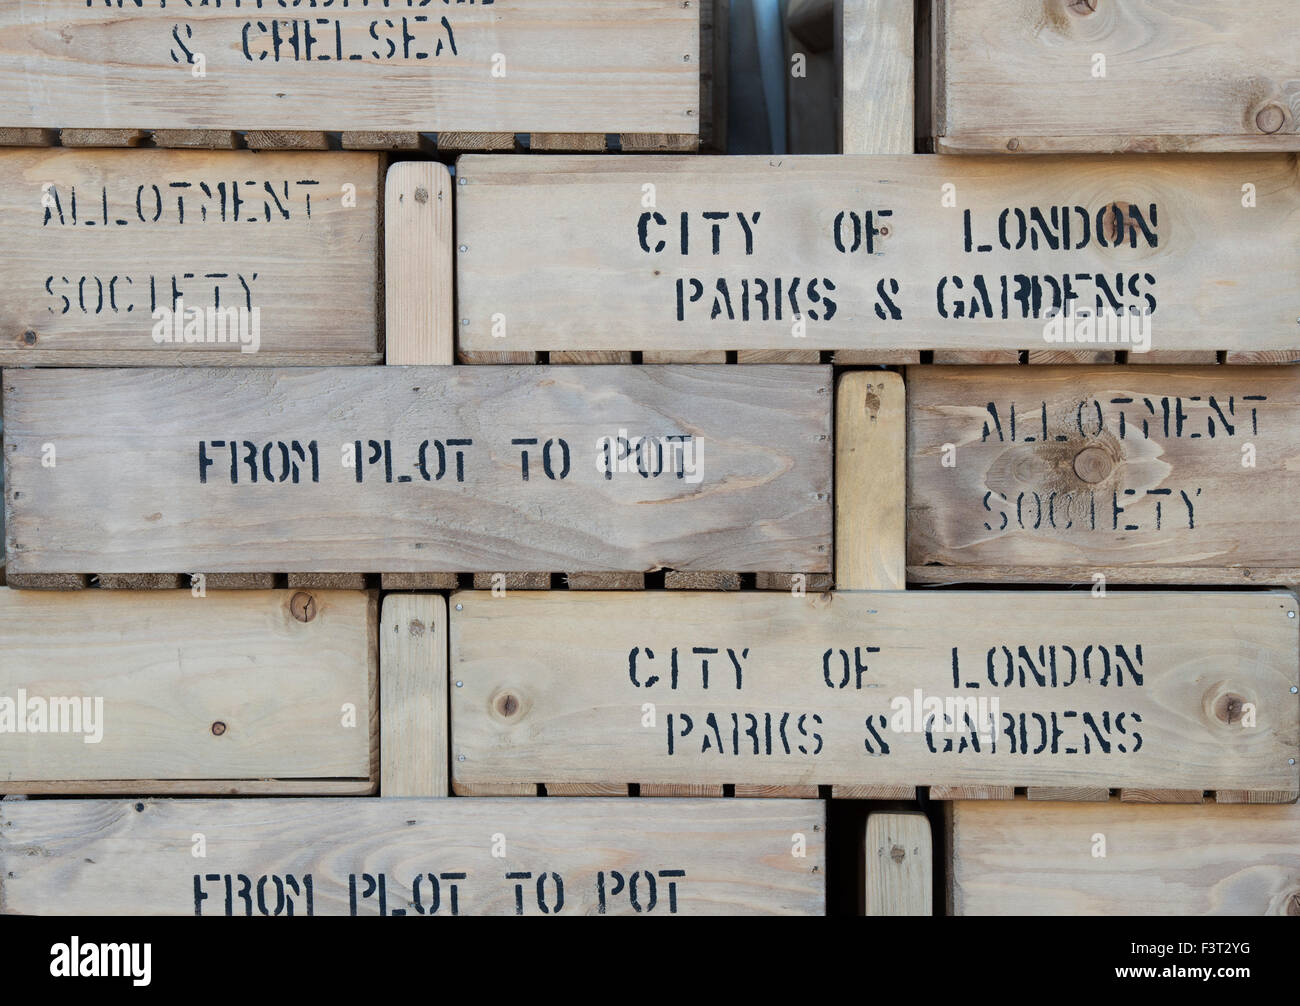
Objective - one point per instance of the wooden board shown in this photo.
(164, 692)
(1167, 235)
(899, 865)
(560, 695)
(389, 857)
(875, 76)
(413, 711)
(1142, 75)
(1045, 859)
(130, 492)
(513, 66)
(1154, 474)
(94, 244)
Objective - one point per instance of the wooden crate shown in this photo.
(1149, 690)
(1140, 474)
(1098, 75)
(1167, 236)
(552, 66)
(1124, 859)
(166, 692)
(413, 857)
(122, 258)
(421, 469)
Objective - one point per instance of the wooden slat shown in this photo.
(899, 856)
(701, 580)
(28, 137)
(418, 581)
(586, 789)
(46, 581)
(684, 356)
(759, 499)
(1050, 357)
(238, 581)
(512, 581)
(93, 242)
(876, 357)
(496, 358)
(419, 291)
(502, 790)
(950, 357)
(328, 581)
(805, 582)
(196, 139)
(972, 792)
(870, 497)
(715, 47)
(1172, 474)
(555, 686)
(1270, 357)
(413, 674)
(874, 53)
(603, 356)
(102, 137)
(385, 140)
(458, 142)
(873, 792)
(228, 693)
(286, 139)
(1020, 77)
(567, 143)
(548, 65)
(1069, 794)
(606, 581)
(1193, 357)
(134, 858)
(680, 790)
(1118, 859)
(964, 260)
(778, 356)
(142, 581)
(658, 143)
(1161, 796)
(744, 790)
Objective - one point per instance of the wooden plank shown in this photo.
(680, 790)
(415, 857)
(286, 139)
(28, 137)
(1284, 357)
(606, 581)
(556, 686)
(1124, 859)
(963, 254)
(569, 143)
(328, 581)
(370, 139)
(778, 356)
(197, 139)
(587, 789)
(700, 580)
(876, 357)
(512, 581)
(873, 792)
(1022, 77)
(715, 49)
(418, 581)
(102, 137)
(951, 357)
(899, 856)
(758, 499)
(685, 356)
(94, 243)
(505, 789)
(1157, 474)
(1049, 357)
(776, 792)
(142, 581)
(1192, 357)
(874, 52)
(413, 711)
(1130, 795)
(419, 293)
(545, 65)
(870, 493)
(457, 142)
(1069, 794)
(165, 692)
(602, 357)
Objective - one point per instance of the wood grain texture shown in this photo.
(899, 855)
(1166, 235)
(413, 696)
(1143, 471)
(758, 498)
(1038, 859)
(419, 293)
(874, 49)
(870, 489)
(93, 242)
(560, 694)
(544, 65)
(1025, 76)
(191, 694)
(102, 857)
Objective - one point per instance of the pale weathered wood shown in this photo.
(776, 792)
(1191, 575)
(870, 493)
(949, 357)
(418, 581)
(972, 792)
(1149, 234)
(419, 293)
(413, 696)
(680, 790)
(1200, 462)
(778, 356)
(232, 692)
(1071, 794)
(1177, 76)
(1129, 795)
(552, 65)
(108, 857)
(197, 139)
(586, 789)
(899, 865)
(93, 242)
(504, 789)
(758, 499)
(555, 685)
(874, 53)
(876, 357)
(1046, 859)
(684, 356)
(1197, 357)
(601, 356)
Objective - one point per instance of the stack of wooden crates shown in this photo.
(437, 482)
